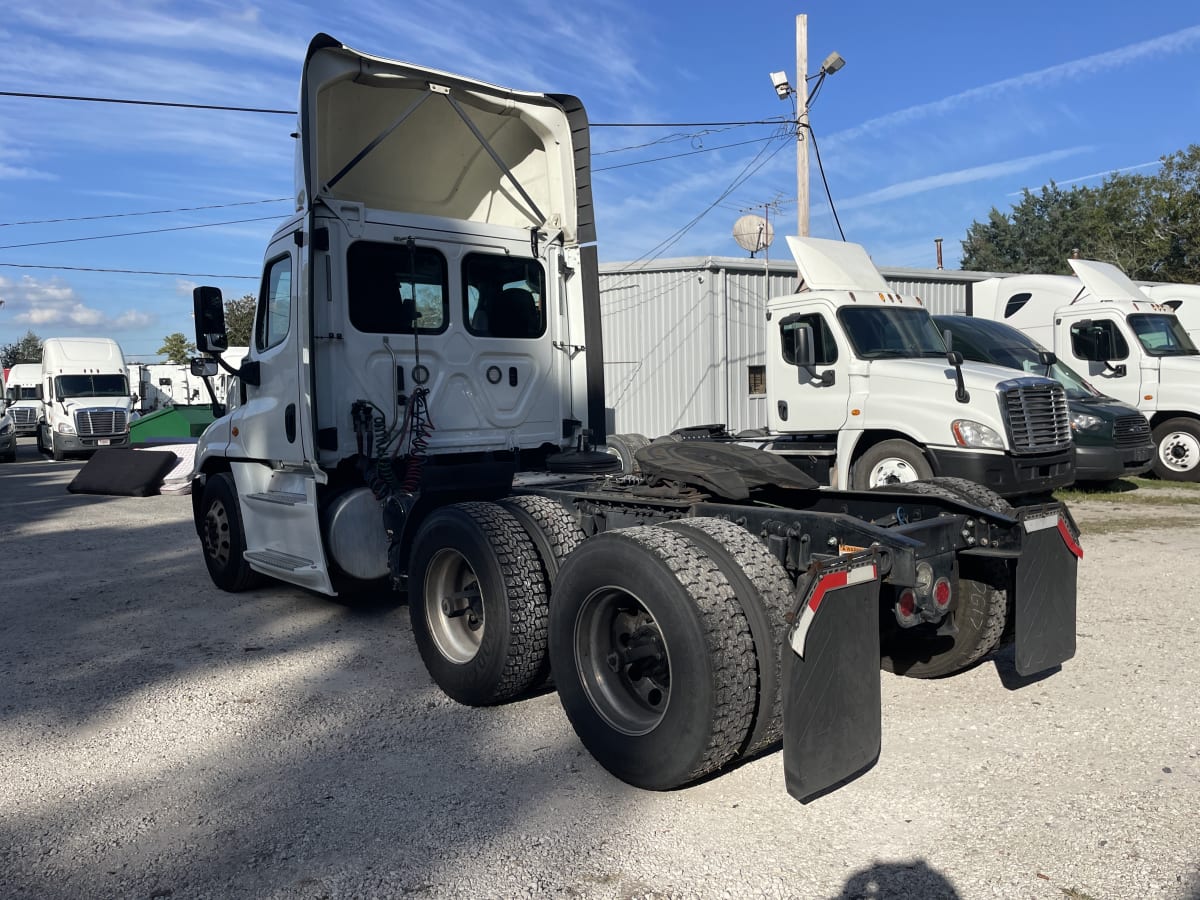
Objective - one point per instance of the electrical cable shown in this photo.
(99, 237)
(828, 194)
(642, 162)
(125, 271)
(149, 212)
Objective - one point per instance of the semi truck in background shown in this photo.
(85, 396)
(1184, 299)
(8, 430)
(1128, 345)
(421, 405)
(24, 397)
(862, 392)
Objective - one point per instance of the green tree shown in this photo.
(239, 320)
(176, 348)
(27, 350)
(1148, 225)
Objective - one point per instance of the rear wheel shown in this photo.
(553, 530)
(889, 462)
(223, 537)
(1177, 450)
(652, 657)
(624, 447)
(765, 593)
(477, 599)
(978, 614)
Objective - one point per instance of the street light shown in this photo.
(783, 89)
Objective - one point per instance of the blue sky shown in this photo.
(940, 113)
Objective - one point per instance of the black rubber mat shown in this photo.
(122, 472)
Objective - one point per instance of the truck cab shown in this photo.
(24, 397)
(862, 386)
(85, 396)
(1126, 344)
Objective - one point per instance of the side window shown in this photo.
(274, 304)
(824, 346)
(1101, 340)
(1015, 302)
(504, 296)
(393, 285)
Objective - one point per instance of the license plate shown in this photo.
(104, 442)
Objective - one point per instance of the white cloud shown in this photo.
(1176, 42)
(31, 303)
(957, 177)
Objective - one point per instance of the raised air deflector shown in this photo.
(394, 136)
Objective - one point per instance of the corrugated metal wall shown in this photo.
(680, 336)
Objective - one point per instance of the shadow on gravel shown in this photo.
(161, 737)
(1006, 667)
(898, 881)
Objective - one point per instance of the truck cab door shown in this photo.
(812, 398)
(1102, 348)
(277, 474)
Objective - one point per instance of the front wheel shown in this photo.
(1177, 450)
(896, 461)
(55, 450)
(477, 599)
(223, 537)
(652, 656)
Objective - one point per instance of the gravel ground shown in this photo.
(161, 738)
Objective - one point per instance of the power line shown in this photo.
(642, 162)
(292, 112)
(99, 237)
(251, 109)
(125, 271)
(150, 212)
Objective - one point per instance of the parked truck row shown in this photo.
(422, 405)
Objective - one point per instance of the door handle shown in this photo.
(289, 422)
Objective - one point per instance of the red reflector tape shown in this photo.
(1069, 539)
(825, 584)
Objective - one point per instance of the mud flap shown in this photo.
(831, 701)
(1045, 586)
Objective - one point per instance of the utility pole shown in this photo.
(802, 124)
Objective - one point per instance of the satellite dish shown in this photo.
(753, 233)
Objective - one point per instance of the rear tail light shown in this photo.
(906, 609)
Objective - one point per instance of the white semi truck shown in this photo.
(85, 396)
(1128, 345)
(862, 392)
(419, 405)
(24, 396)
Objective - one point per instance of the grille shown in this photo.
(1131, 430)
(24, 415)
(1038, 421)
(102, 422)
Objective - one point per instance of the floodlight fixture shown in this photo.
(832, 63)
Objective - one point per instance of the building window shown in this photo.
(757, 380)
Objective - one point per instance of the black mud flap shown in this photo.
(1045, 603)
(831, 701)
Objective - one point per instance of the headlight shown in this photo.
(975, 434)
(64, 428)
(1086, 422)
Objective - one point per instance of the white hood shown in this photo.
(1105, 281)
(401, 137)
(981, 377)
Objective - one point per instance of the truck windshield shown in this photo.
(25, 392)
(91, 386)
(879, 332)
(1162, 335)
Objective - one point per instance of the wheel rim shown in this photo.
(216, 533)
(454, 606)
(622, 661)
(1179, 451)
(892, 470)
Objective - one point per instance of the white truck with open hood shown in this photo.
(419, 406)
(862, 391)
(1127, 344)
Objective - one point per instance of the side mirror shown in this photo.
(1047, 358)
(954, 358)
(203, 368)
(948, 340)
(1119, 370)
(209, 309)
(37, 393)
